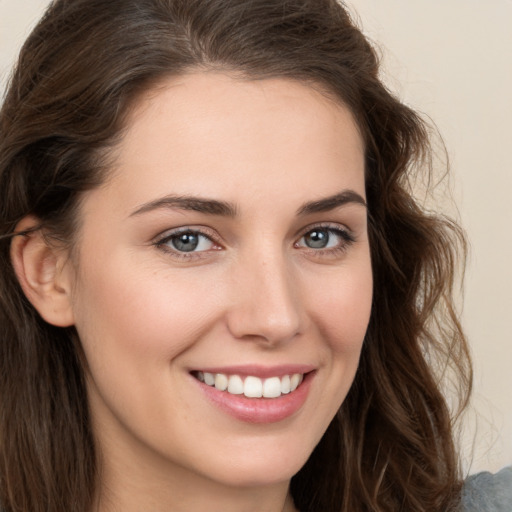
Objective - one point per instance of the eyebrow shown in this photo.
(225, 209)
(332, 202)
(197, 204)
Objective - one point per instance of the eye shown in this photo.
(187, 241)
(322, 237)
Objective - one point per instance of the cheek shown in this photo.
(343, 307)
(134, 324)
(341, 311)
(126, 313)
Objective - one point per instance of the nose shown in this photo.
(266, 304)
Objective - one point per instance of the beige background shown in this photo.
(452, 60)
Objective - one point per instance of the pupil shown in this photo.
(317, 239)
(186, 242)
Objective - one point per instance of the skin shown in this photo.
(255, 292)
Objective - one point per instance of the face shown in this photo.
(228, 248)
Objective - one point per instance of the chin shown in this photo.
(261, 465)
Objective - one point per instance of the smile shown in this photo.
(250, 386)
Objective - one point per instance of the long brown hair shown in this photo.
(390, 447)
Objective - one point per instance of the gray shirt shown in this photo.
(486, 492)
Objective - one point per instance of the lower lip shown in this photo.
(259, 410)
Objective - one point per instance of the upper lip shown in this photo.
(257, 370)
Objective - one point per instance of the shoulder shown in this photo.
(486, 492)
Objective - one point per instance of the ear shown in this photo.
(44, 273)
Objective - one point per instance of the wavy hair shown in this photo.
(390, 448)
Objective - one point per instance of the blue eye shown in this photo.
(187, 241)
(318, 239)
(325, 238)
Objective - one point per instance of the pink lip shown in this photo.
(258, 410)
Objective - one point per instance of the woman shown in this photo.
(217, 289)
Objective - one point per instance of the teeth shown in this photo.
(209, 378)
(285, 385)
(236, 385)
(295, 380)
(221, 382)
(272, 387)
(252, 387)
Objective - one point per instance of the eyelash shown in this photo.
(346, 239)
(345, 236)
(163, 241)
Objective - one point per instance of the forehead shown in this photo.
(215, 134)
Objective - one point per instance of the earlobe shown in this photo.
(41, 272)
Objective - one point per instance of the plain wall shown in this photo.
(452, 60)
